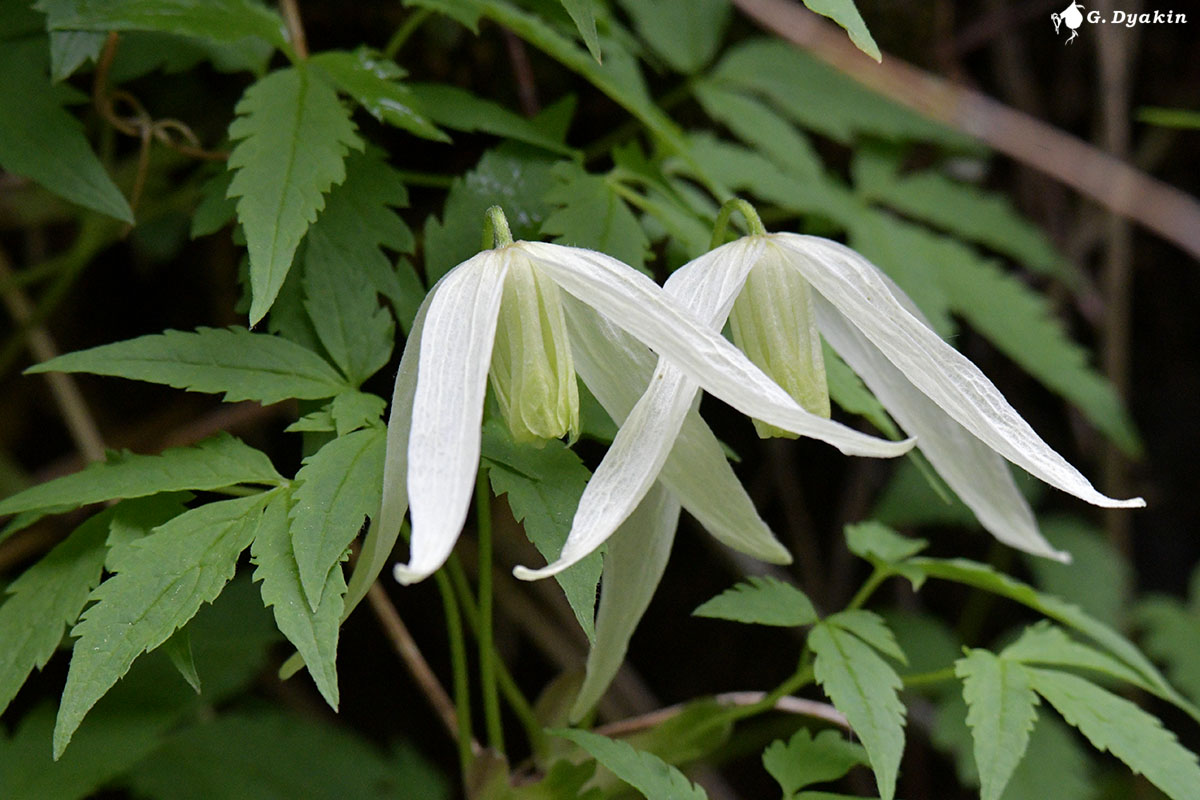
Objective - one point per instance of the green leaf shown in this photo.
(864, 688)
(354, 410)
(804, 759)
(1114, 724)
(218, 20)
(1001, 712)
(591, 214)
(179, 649)
(160, 583)
(69, 50)
(844, 13)
(818, 97)
(1169, 117)
(137, 518)
(344, 308)
(212, 464)
(760, 127)
(46, 598)
(338, 486)
(269, 754)
(684, 33)
(761, 601)
(870, 627)
(41, 141)
(988, 218)
(241, 364)
(359, 220)
(584, 17)
(982, 576)
(646, 772)
(1046, 644)
(543, 487)
(293, 136)
(514, 178)
(874, 539)
(461, 110)
(1055, 765)
(372, 81)
(313, 633)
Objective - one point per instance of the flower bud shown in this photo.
(773, 324)
(532, 373)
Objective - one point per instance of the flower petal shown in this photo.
(709, 285)
(854, 286)
(635, 303)
(443, 447)
(633, 566)
(973, 470)
(385, 527)
(616, 367)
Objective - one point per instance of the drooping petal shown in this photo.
(617, 368)
(443, 447)
(637, 556)
(972, 469)
(709, 285)
(385, 528)
(634, 302)
(854, 286)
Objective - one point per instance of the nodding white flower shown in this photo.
(549, 301)
(782, 289)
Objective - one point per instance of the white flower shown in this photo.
(962, 423)
(433, 442)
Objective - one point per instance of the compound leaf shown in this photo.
(373, 81)
(313, 633)
(646, 772)
(590, 214)
(212, 464)
(293, 136)
(761, 601)
(160, 583)
(1000, 712)
(338, 486)
(864, 688)
(241, 364)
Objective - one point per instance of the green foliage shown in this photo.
(213, 464)
(461, 110)
(160, 583)
(589, 213)
(337, 488)
(271, 754)
(241, 364)
(373, 82)
(761, 601)
(293, 136)
(646, 772)
(543, 487)
(40, 140)
(844, 13)
(313, 632)
(683, 33)
(219, 20)
(806, 759)
(584, 17)
(1171, 630)
(45, 599)
(1001, 713)
(1116, 725)
(864, 688)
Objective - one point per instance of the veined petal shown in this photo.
(854, 286)
(972, 469)
(633, 566)
(634, 302)
(385, 528)
(709, 285)
(443, 447)
(617, 367)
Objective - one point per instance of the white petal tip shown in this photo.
(1133, 502)
(405, 575)
(882, 448)
(527, 574)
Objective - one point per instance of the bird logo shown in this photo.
(1072, 17)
